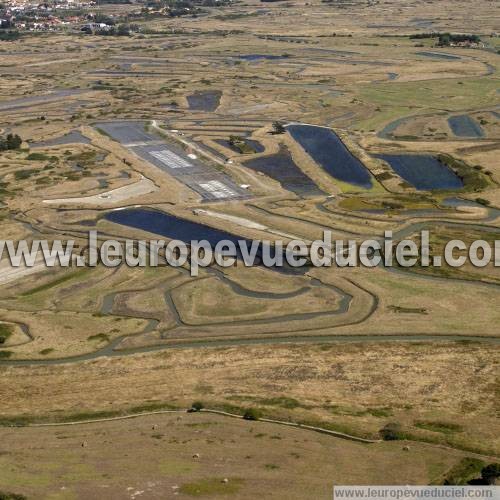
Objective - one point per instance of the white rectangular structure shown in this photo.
(170, 159)
(217, 189)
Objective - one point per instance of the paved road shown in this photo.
(168, 156)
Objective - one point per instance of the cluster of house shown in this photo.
(91, 27)
(31, 16)
(470, 44)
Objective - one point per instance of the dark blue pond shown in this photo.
(326, 149)
(424, 172)
(175, 228)
(208, 100)
(283, 169)
(168, 225)
(465, 126)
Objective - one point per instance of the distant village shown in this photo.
(30, 16)
(21, 15)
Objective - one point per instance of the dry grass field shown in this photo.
(355, 388)
(183, 455)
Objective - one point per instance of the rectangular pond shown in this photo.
(206, 100)
(283, 169)
(465, 126)
(327, 150)
(176, 228)
(424, 172)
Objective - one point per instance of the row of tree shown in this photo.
(11, 141)
(445, 39)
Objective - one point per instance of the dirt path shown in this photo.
(139, 188)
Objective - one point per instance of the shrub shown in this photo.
(391, 432)
(473, 178)
(278, 128)
(252, 414)
(483, 201)
(490, 473)
(9, 36)
(5, 332)
(392, 205)
(438, 426)
(282, 401)
(11, 496)
(197, 406)
(20, 175)
(37, 157)
(465, 470)
(384, 176)
(101, 337)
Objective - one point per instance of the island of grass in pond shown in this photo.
(283, 169)
(328, 151)
(424, 172)
(241, 145)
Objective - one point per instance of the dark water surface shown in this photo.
(175, 228)
(326, 149)
(424, 172)
(208, 100)
(283, 169)
(465, 126)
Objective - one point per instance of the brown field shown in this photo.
(189, 455)
(354, 388)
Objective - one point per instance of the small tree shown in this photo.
(235, 139)
(12, 141)
(278, 128)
